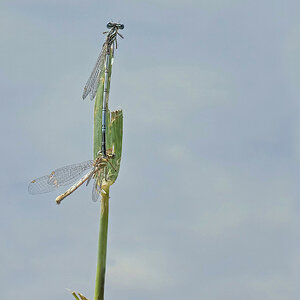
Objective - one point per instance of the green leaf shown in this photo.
(114, 141)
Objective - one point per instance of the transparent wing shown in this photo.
(97, 187)
(94, 79)
(95, 88)
(59, 177)
(40, 185)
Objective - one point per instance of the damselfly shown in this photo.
(69, 174)
(101, 66)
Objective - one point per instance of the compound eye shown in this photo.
(121, 26)
(109, 25)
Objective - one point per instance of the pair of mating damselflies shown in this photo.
(92, 169)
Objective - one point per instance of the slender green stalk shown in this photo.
(102, 243)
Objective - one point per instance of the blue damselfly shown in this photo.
(102, 66)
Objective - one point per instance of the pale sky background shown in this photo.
(206, 205)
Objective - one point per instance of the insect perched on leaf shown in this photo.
(68, 174)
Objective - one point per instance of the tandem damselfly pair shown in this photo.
(92, 169)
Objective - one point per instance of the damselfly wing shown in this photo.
(60, 177)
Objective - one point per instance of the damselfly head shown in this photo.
(111, 153)
(110, 25)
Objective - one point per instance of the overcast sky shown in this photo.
(206, 205)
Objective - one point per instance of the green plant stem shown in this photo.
(102, 243)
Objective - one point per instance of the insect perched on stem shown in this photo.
(102, 65)
(67, 175)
